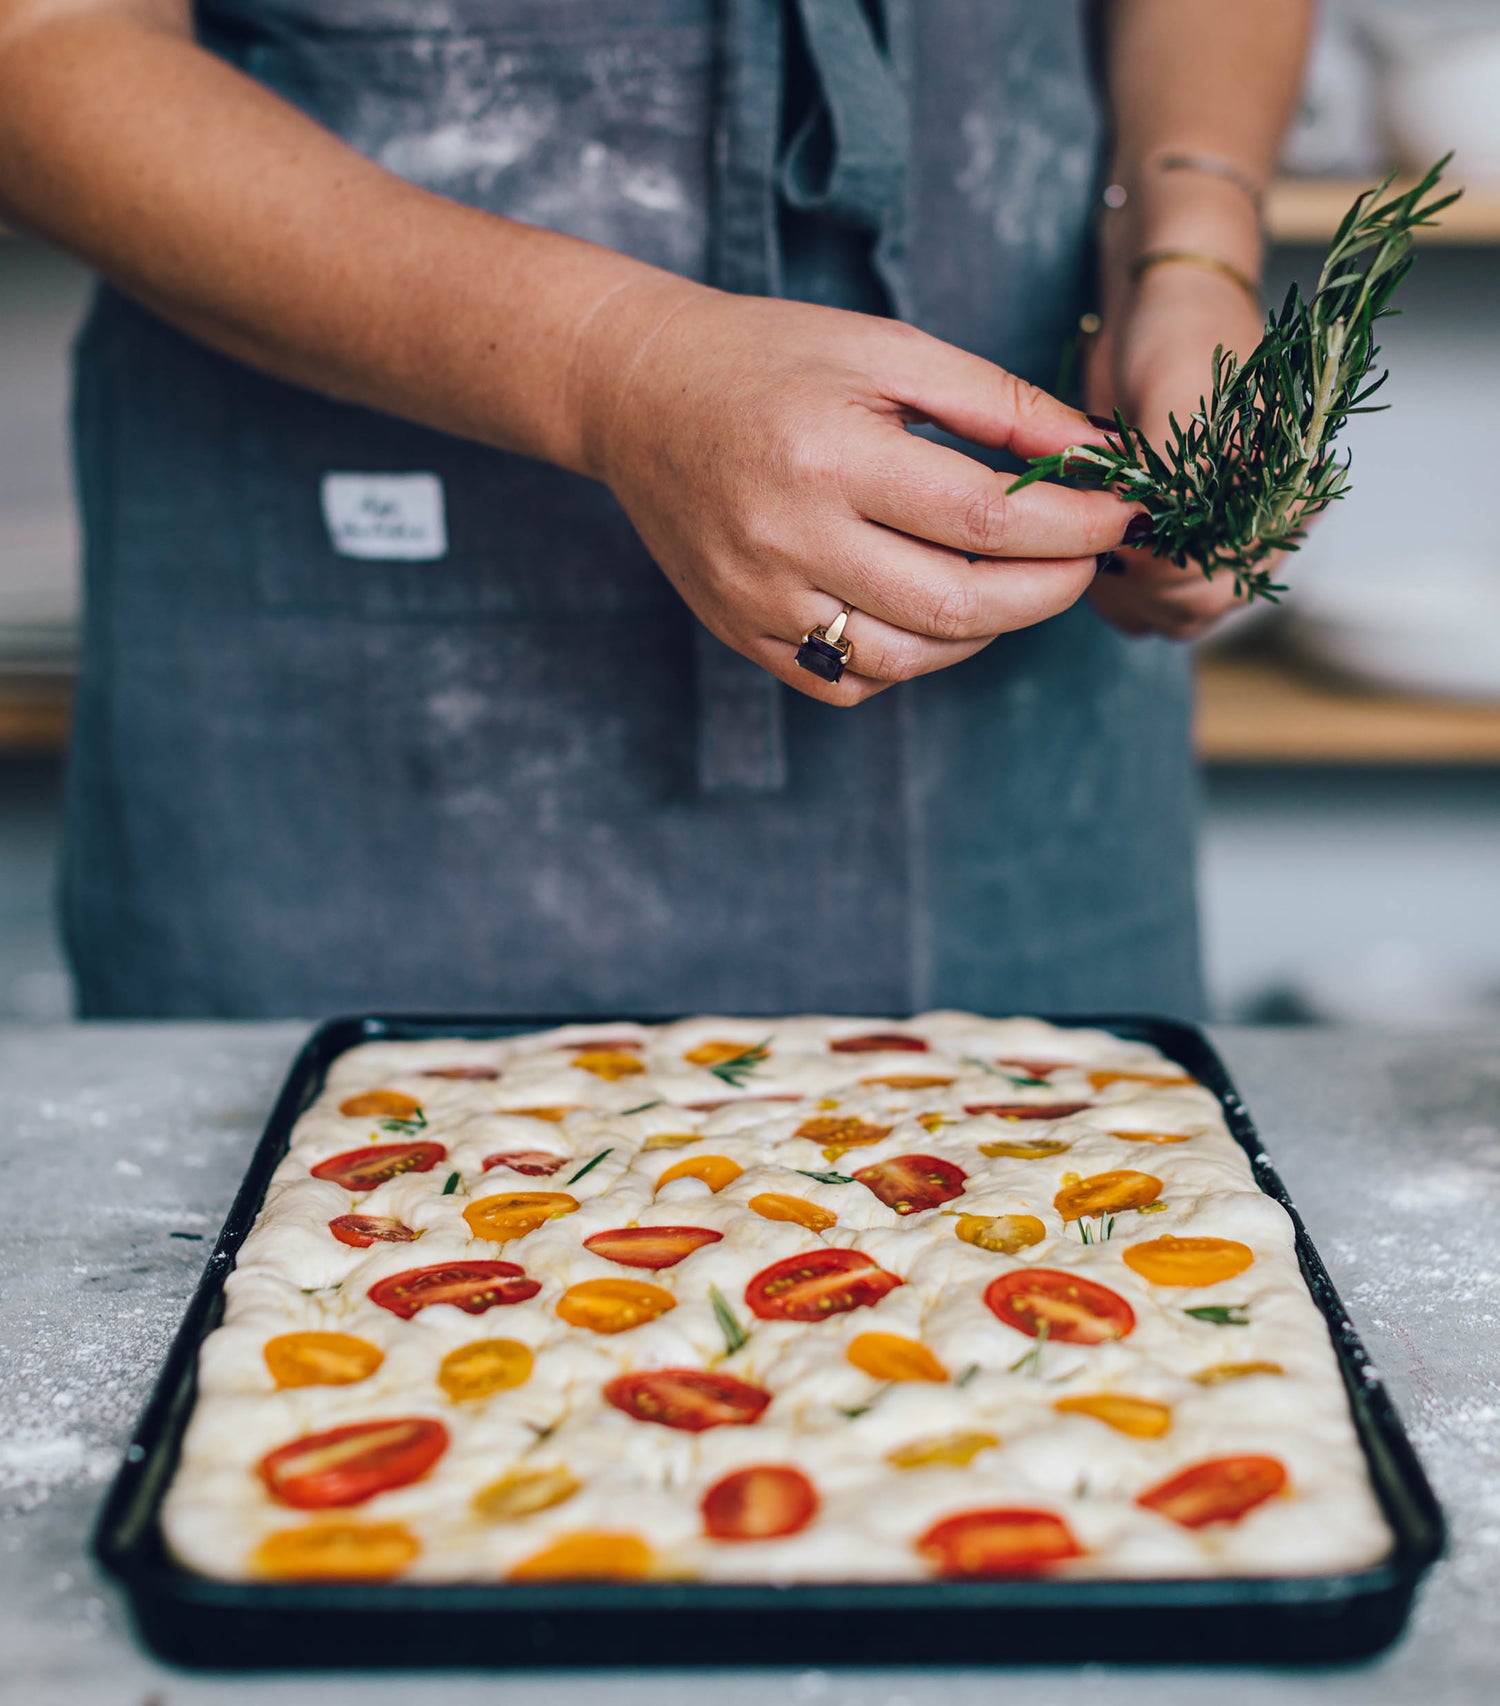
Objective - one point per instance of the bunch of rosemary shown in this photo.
(1255, 462)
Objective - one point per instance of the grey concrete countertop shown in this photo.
(120, 1147)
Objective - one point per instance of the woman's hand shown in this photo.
(760, 448)
(1154, 361)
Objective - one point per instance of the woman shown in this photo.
(454, 358)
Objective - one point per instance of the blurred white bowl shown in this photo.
(1441, 89)
(1421, 625)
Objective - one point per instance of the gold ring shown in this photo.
(824, 651)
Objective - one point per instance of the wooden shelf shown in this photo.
(35, 713)
(1262, 712)
(1308, 210)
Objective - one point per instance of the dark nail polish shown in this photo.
(1105, 423)
(1107, 563)
(1139, 530)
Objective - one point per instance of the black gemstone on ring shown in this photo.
(821, 658)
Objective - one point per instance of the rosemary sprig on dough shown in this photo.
(735, 1336)
(1256, 460)
(738, 1067)
(1221, 1314)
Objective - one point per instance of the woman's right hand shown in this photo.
(760, 448)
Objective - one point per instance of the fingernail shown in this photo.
(1105, 423)
(1107, 563)
(1139, 529)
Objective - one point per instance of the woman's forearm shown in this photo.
(238, 219)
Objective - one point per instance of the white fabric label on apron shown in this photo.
(390, 516)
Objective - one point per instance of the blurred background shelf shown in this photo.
(1308, 210)
(35, 711)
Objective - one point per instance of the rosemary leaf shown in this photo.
(1221, 1314)
(967, 1375)
(589, 1166)
(826, 1178)
(735, 1335)
(645, 1107)
(1031, 1363)
(452, 1184)
(738, 1067)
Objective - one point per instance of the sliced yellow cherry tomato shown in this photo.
(336, 1552)
(613, 1305)
(887, 1356)
(1024, 1149)
(513, 1214)
(1157, 1080)
(955, 1450)
(672, 1139)
(321, 1359)
(1225, 1371)
(1188, 1261)
(934, 1121)
(609, 1063)
(909, 1081)
(773, 1205)
(552, 1115)
(588, 1555)
(1107, 1193)
(1141, 1418)
(380, 1104)
(838, 1134)
(1153, 1136)
(488, 1365)
(523, 1492)
(716, 1052)
(1003, 1233)
(715, 1171)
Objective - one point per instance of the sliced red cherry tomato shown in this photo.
(763, 1502)
(1005, 1542)
(911, 1183)
(817, 1284)
(650, 1246)
(878, 1042)
(470, 1286)
(363, 1230)
(1034, 1068)
(364, 1169)
(463, 1074)
(1026, 1110)
(688, 1398)
(348, 1465)
(1076, 1310)
(1220, 1489)
(534, 1163)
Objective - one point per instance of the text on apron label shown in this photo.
(389, 516)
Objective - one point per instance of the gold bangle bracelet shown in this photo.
(1195, 258)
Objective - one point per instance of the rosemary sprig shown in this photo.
(1020, 1082)
(1101, 1234)
(967, 1375)
(735, 1336)
(589, 1166)
(825, 1178)
(645, 1107)
(452, 1185)
(1221, 1314)
(1255, 462)
(738, 1067)
(1031, 1363)
(417, 1122)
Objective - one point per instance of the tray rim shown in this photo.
(127, 1544)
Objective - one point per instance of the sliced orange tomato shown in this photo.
(608, 1063)
(554, 1115)
(515, 1213)
(715, 1171)
(766, 1501)
(1188, 1261)
(1157, 1080)
(336, 1552)
(878, 1042)
(1002, 1542)
(613, 1305)
(321, 1359)
(1005, 1234)
(361, 1170)
(1153, 1136)
(773, 1205)
(380, 1105)
(470, 1286)
(347, 1465)
(1107, 1193)
(909, 1081)
(1221, 1372)
(523, 1492)
(1028, 1149)
(360, 1231)
(817, 1284)
(590, 1555)
(949, 1451)
(1220, 1489)
(715, 1053)
(650, 1246)
(1140, 1418)
(1076, 1310)
(838, 1134)
(463, 1074)
(485, 1367)
(672, 1139)
(533, 1163)
(911, 1184)
(888, 1356)
(1026, 1110)
(739, 1101)
(688, 1398)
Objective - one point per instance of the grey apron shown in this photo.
(371, 717)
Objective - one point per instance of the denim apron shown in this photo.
(371, 717)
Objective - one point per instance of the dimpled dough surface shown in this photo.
(878, 1458)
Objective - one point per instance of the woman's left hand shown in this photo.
(1154, 360)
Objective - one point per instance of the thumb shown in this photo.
(988, 405)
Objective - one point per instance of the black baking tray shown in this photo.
(193, 1620)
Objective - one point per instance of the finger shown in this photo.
(984, 403)
(778, 659)
(938, 494)
(878, 649)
